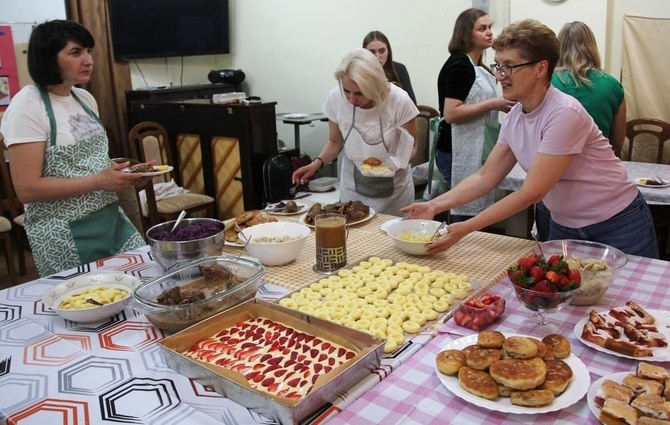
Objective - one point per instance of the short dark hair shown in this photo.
(534, 41)
(46, 40)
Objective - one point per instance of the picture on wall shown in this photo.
(4, 90)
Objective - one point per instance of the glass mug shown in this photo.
(331, 242)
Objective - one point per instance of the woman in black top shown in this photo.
(460, 78)
(379, 45)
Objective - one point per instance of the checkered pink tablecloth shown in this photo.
(413, 394)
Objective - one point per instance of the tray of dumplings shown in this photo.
(392, 300)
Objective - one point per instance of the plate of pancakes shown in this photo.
(513, 373)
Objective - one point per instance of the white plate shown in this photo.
(593, 390)
(575, 391)
(363, 220)
(295, 116)
(651, 186)
(300, 205)
(386, 224)
(155, 173)
(661, 354)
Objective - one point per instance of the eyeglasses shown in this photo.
(506, 70)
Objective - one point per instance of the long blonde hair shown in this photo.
(365, 70)
(579, 53)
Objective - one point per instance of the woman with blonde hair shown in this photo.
(368, 118)
(579, 74)
(568, 161)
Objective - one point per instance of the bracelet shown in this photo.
(319, 160)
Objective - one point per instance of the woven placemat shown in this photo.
(483, 257)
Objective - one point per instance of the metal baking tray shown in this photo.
(368, 348)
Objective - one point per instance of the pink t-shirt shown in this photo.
(595, 185)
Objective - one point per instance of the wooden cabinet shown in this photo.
(193, 91)
(219, 149)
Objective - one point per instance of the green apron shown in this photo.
(78, 230)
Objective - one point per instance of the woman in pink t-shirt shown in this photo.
(570, 164)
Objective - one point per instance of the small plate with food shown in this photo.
(612, 398)
(297, 116)
(234, 226)
(356, 212)
(644, 349)
(285, 208)
(652, 182)
(577, 384)
(374, 167)
(146, 170)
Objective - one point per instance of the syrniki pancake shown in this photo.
(559, 375)
(519, 374)
(482, 358)
(519, 347)
(450, 361)
(532, 398)
(490, 339)
(558, 345)
(478, 383)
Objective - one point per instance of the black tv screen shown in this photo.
(165, 28)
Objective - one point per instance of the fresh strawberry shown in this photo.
(536, 273)
(552, 277)
(542, 286)
(527, 263)
(553, 260)
(575, 276)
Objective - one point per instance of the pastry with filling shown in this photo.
(615, 412)
(519, 347)
(478, 383)
(558, 377)
(450, 362)
(532, 398)
(519, 374)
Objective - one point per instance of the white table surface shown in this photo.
(636, 170)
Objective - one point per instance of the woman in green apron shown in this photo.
(59, 158)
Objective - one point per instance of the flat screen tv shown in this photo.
(165, 28)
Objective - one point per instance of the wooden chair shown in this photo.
(149, 141)
(426, 113)
(6, 236)
(13, 208)
(646, 136)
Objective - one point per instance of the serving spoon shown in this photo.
(179, 219)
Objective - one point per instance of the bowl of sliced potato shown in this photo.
(413, 235)
(91, 298)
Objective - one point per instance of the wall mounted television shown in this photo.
(166, 28)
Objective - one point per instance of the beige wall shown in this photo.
(289, 49)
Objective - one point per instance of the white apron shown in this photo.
(384, 194)
(468, 141)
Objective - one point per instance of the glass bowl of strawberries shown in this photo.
(544, 285)
(598, 265)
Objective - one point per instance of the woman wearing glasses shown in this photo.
(570, 164)
(469, 104)
(374, 123)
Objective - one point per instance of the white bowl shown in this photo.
(419, 228)
(275, 253)
(57, 293)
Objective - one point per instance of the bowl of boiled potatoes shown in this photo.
(413, 235)
(91, 298)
